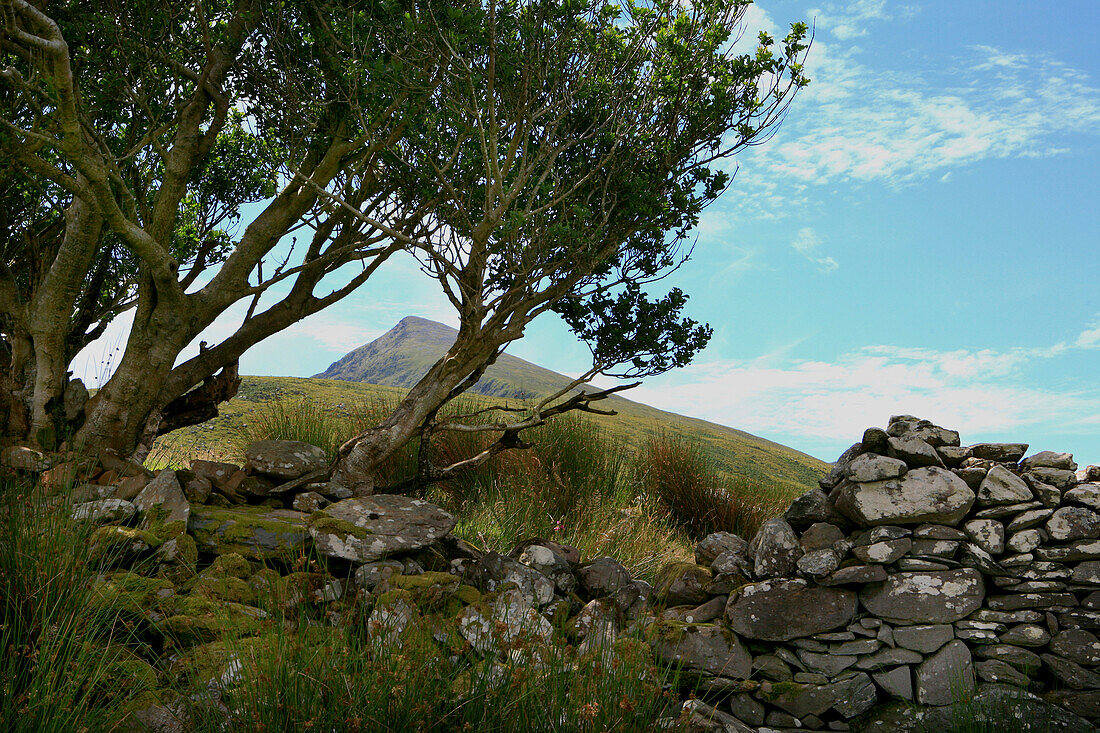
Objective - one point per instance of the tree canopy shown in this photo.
(533, 155)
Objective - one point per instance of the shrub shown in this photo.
(680, 476)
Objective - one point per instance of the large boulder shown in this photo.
(256, 532)
(285, 460)
(785, 609)
(925, 597)
(368, 528)
(928, 494)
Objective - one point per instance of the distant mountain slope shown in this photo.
(402, 355)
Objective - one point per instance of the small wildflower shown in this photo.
(589, 711)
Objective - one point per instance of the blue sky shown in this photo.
(921, 236)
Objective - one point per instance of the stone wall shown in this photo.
(919, 574)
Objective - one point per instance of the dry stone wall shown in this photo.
(920, 573)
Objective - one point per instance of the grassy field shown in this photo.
(736, 455)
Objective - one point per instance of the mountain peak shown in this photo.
(402, 355)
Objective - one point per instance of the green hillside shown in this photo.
(404, 354)
(735, 452)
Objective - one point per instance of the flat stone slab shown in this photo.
(255, 532)
(285, 460)
(783, 609)
(928, 597)
(922, 495)
(367, 528)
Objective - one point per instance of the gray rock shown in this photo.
(747, 710)
(923, 638)
(1006, 510)
(703, 647)
(369, 528)
(1073, 523)
(896, 682)
(717, 543)
(953, 455)
(819, 536)
(1070, 673)
(162, 500)
(873, 467)
(856, 575)
(1049, 495)
(1001, 486)
(991, 670)
(702, 718)
(1030, 518)
(848, 697)
(884, 552)
(1085, 495)
(819, 563)
(885, 658)
(945, 676)
(254, 532)
(813, 506)
(1049, 459)
(682, 583)
(22, 458)
(875, 440)
(309, 502)
(603, 576)
(372, 574)
(1025, 540)
(988, 534)
(1022, 659)
(1087, 573)
(915, 452)
(922, 495)
(493, 628)
(839, 471)
(925, 597)
(1059, 478)
(103, 511)
(1077, 645)
(1004, 452)
(828, 664)
(905, 426)
(775, 549)
(1026, 635)
(781, 610)
(1083, 703)
(284, 460)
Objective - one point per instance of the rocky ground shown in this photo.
(921, 576)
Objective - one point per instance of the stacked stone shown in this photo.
(920, 572)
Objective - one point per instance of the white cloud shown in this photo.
(823, 406)
(1089, 338)
(857, 123)
(807, 244)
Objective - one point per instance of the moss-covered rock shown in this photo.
(682, 583)
(254, 532)
(130, 594)
(113, 545)
(435, 591)
(230, 565)
(229, 589)
(195, 620)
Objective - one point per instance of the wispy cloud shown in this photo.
(826, 405)
(859, 124)
(807, 244)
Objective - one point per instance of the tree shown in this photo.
(534, 155)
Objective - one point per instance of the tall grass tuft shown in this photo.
(62, 659)
(679, 475)
(317, 678)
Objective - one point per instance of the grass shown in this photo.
(66, 663)
(736, 454)
(69, 661)
(575, 485)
